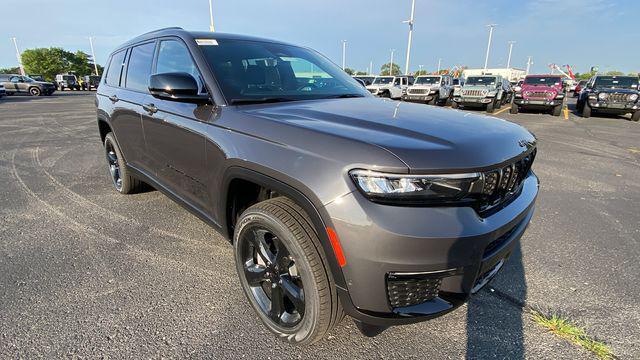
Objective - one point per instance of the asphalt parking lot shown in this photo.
(87, 272)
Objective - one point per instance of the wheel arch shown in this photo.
(316, 213)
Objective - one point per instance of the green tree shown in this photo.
(361, 73)
(395, 70)
(47, 61)
(615, 73)
(349, 71)
(11, 70)
(420, 72)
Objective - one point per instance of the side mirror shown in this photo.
(176, 86)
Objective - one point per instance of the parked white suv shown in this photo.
(392, 87)
(431, 89)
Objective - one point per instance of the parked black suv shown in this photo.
(335, 201)
(14, 83)
(610, 95)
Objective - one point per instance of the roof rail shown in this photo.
(167, 28)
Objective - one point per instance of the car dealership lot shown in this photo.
(86, 271)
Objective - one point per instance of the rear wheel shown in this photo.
(283, 271)
(123, 182)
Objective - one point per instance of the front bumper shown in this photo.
(538, 102)
(455, 245)
(417, 98)
(473, 101)
(614, 107)
(3, 92)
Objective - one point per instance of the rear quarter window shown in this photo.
(115, 69)
(139, 67)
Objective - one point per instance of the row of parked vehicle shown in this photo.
(602, 93)
(36, 85)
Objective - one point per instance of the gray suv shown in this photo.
(335, 202)
(14, 83)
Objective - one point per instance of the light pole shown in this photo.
(420, 67)
(439, 63)
(370, 67)
(344, 54)
(391, 63)
(486, 59)
(510, 50)
(93, 55)
(211, 27)
(410, 22)
(528, 65)
(15, 43)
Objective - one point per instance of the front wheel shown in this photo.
(586, 110)
(454, 105)
(283, 271)
(557, 110)
(635, 116)
(491, 107)
(514, 109)
(434, 100)
(34, 91)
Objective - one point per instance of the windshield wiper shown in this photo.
(344, 96)
(260, 100)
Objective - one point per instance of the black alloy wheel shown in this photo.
(272, 276)
(114, 165)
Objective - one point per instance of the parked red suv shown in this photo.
(542, 92)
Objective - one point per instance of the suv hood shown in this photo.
(620, 91)
(424, 138)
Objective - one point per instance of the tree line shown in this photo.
(49, 62)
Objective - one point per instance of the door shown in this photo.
(127, 99)
(174, 131)
(14, 84)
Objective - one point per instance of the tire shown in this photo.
(35, 91)
(454, 105)
(514, 109)
(557, 110)
(61, 88)
(435, 100)
(491, 107)
(449, 100)
(280, 224)
(635, 116)
(123, 182)
(586, 110)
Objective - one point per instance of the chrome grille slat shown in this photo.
(618, 97)
(418, 91)
(476, 93)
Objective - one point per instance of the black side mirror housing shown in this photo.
(176, 86)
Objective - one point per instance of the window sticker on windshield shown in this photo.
(207, 42)
(615, 81)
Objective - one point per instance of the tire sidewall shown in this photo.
(34, 91)
(110, 138)
(305, 329)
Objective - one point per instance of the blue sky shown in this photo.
(577, 32)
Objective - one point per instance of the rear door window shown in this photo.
(115, 69)
(139, 67)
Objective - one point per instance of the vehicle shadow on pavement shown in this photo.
(494, 315)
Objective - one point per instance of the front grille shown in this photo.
(618, 97)
(418, 91)
(539, 94)
(502, 184)
(404, 292)
(475, 93)
(497, 243)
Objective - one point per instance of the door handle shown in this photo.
(113, 98)
(150, 108)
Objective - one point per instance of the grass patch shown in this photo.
(565, 329)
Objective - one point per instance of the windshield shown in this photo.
(617, 82)
(480, 80)
(69, 77)
(255, 71)
(543, 80)
(383, 80)
(427, 80)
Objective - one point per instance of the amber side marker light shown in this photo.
(337, 249)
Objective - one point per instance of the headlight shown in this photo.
(422, 189)
(491, 93)
(432, 91)
(603, 96)
(633, 97)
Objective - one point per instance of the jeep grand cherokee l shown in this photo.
(336, 202)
